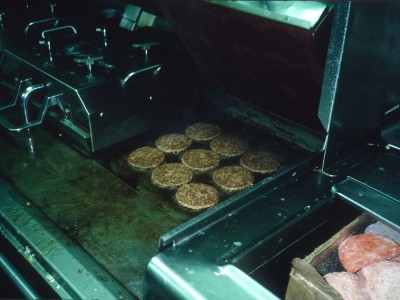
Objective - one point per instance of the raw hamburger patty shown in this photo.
(197, 196)
(350, 286)
(382, 280)
(228, 146)
(171, 175)
(233, 178)
(362, 250)
(260, 162)
(381, 229)
(200, 159)
(202, 131)
(146, 157)
(173, 143)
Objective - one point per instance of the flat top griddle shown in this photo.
(114, 213)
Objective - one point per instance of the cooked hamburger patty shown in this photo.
(200, 159)
(233, 178)
(228, 146)
(197, 196)
(146, 157)
(202, 131)
(173, 143)
(171, 175)
(260, 162)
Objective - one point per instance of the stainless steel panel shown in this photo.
(360, 80)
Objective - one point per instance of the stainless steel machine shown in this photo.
(82, 85)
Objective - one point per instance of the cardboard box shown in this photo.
(306, 281)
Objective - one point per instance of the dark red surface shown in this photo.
(275, 66)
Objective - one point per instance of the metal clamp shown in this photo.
(48, 102)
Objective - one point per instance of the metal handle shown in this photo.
(28, 27)
(22, 83)
(67, 27)
(156, 69)
(47, 41)
(26, 96)
(48, 102)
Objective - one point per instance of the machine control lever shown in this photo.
(89, 61)
(145, 47)
(103, 31)
(52, 6)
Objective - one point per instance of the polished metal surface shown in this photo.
(17, 278)
(304, 14)
(374, 188)
(360, 85)
(110, 92)
(217, 260)
(86, 98)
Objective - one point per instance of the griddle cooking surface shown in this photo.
(113, 212)
(257, 140)
(117, 225)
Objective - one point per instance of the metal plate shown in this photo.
(374, 188)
